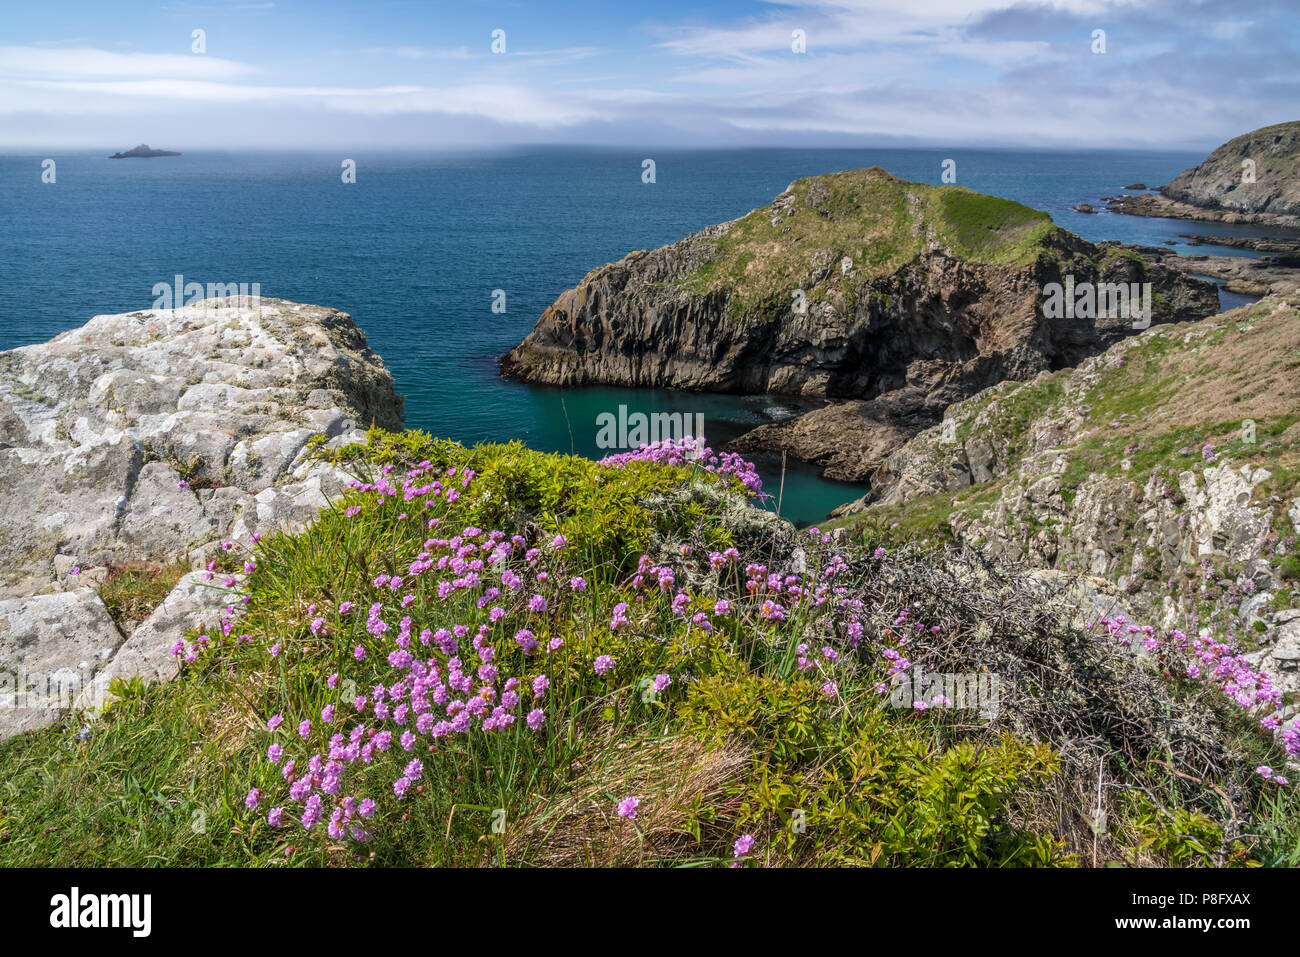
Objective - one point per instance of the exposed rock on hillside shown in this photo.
(1245, 275)
(1167, 466)
(1254, 178)
(48, 644)
(154, 435)
(1271, 158)
(850, 285)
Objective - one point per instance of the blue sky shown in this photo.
(410, 74)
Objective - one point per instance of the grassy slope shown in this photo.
(742, 738)
(880, 222)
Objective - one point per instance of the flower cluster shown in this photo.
(689, 451)
(460, 641)
(447, 646)
(430, 682)
(1212, 663)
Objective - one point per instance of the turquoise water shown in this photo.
(415, 248)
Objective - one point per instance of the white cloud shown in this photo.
(73, 62)
(558, 55)
(502, 103)
(1230, 29)
(873, 25)
(937, 71)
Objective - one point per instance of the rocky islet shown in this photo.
(900, 298)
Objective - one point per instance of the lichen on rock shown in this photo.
(156, 435)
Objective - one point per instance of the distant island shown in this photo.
(142, 151)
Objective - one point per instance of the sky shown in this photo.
(424, 74)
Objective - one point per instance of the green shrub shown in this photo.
(851, 783)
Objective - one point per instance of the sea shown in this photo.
(446, 260)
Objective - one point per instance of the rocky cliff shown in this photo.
(152, 437)
(1254, 178)
(1258, 172)
(854, 285)
(1166, 469)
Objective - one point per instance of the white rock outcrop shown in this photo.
(51, 646)
(153, 436)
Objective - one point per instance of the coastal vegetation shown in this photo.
(487, 655)
(865, 224)
(1062, 628)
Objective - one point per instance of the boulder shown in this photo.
(153, 436)
(147, 435)
(50, 647)
(195, 602)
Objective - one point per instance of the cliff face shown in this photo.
(1219, 184)
(1166, 466)
(151, 437)
(850, 285)
(837, 289)
(1254, 178)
